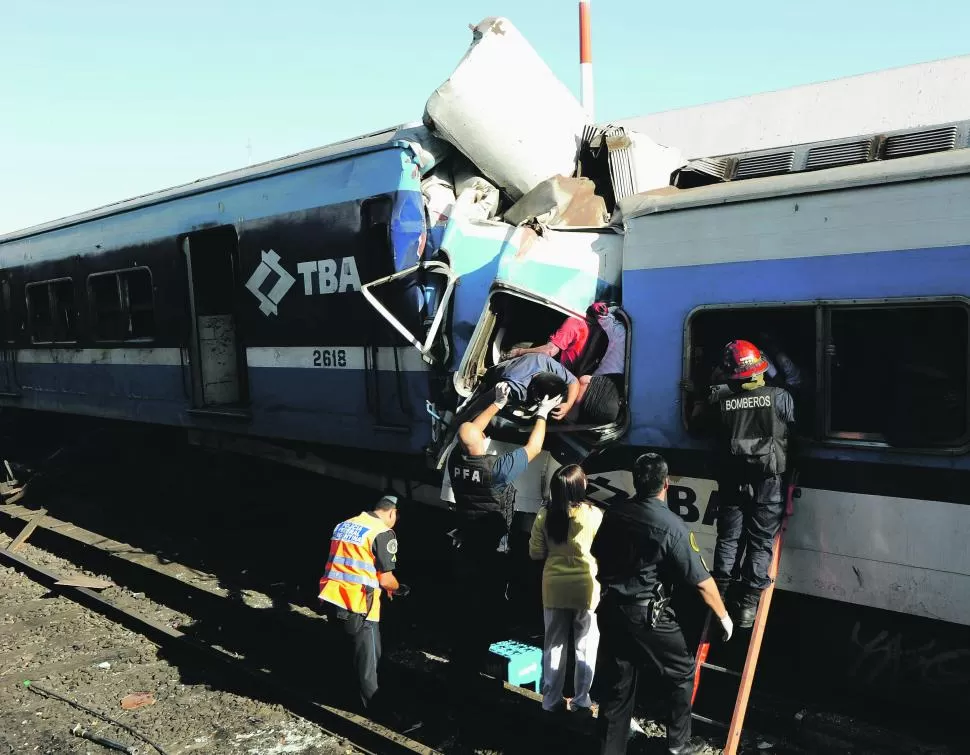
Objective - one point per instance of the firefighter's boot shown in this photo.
(748, 607)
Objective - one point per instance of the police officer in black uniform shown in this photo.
(642, 550)
(751, 421)
(485, 502)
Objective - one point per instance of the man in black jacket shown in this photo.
(484, 504)
(752, 422)
(642, 551)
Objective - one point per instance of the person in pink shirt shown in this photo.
(569, 341)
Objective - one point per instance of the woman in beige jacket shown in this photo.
(562, 535)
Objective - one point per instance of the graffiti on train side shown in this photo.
(888, 658)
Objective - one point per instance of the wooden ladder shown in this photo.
(746, 674)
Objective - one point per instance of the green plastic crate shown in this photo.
(516, 663)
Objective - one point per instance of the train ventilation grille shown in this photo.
(833, 155)
(919, 142)
(764, 165)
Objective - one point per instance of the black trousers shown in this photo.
(480, 615)
(753, 509)
(362, 646)
(628, 644)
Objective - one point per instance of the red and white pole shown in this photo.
(585, 60)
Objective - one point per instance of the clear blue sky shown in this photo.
(101, 100)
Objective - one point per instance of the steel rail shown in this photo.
(363, 733)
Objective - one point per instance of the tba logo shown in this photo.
(269, 264)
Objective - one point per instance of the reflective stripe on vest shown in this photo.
(350, 578)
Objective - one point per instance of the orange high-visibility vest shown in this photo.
(350, 579)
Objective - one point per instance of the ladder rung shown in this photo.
(722, 669)
(710, 721)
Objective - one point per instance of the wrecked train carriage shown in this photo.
(231, 306)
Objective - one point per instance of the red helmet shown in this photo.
(742, 359)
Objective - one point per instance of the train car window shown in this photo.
(122, 305)
(881, 373)
(898, 374)
(65, 313)
(140, 300)
(105, 297)
(785, 334)
(40, 315)
(51, 311)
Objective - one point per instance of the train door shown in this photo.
(215, 356)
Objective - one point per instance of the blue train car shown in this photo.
(860, 274)
(233, 303)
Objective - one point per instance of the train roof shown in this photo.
(403, 136)
(669, 198)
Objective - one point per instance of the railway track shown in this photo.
(454, 717)
(366, 735)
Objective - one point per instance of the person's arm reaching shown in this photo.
(710, 595)
(385, 559)
(534, 445)
(572, 390)
(685, 559)
(502, 391)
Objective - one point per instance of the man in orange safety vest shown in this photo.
(363, 554)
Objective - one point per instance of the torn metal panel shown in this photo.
(561, 201)
(505, 110)
(429, 150)
(477, 197)
(637, 163)
(473, 249)
(623, 163)
(570, 269)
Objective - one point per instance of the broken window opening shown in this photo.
(779, 332)
(898, 374)
(885, 373)
(122, 305)
(511, 321)
(411, 299)
(51, 311)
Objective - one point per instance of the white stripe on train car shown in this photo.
(337, 358)
(134, 356)
(308, 357)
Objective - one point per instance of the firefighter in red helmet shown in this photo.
(751, 423)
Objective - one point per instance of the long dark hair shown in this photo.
(568, 488)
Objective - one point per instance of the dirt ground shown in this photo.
(66, 648)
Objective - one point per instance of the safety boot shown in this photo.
(693, 746)
(748, 607)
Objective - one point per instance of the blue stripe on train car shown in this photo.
(345, 179)
(659, 301)
(337, 407)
